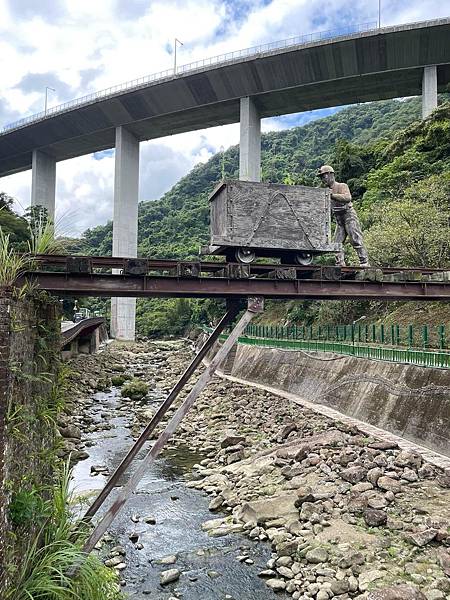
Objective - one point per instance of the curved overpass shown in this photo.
(361, 67)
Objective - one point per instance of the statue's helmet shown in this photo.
(325, 169)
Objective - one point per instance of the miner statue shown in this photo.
(347, 222)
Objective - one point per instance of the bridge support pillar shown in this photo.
(250, 142)
(429, 90)
(125, 221)
(43, 182)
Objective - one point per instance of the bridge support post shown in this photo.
(429, 90)
(125, 221)
(250, 142)
(43, 182)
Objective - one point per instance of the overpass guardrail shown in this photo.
(438, 358)
(221, 59)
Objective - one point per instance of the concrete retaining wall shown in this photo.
(410, 401)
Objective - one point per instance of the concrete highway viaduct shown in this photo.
(245, 86)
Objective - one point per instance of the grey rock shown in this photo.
(340, 587)
(266, 573)
(277, 585)
(388, 484)
(169, 576)
(215, 503)
(71, 431)
(304, 495)
(232, 440)
(422, 538)
(353, 474)
(408, 459)
(383, 445)
(286, 572)
(410, 475)
(397, 592)
(375, 518)
(317, 555)
(167, 560)
(377, 501)
(374, 474)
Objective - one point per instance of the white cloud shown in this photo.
(87, 46)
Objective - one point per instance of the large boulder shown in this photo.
(299, 447)
(267, 509)
(397, 592)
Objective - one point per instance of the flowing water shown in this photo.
(210, 569)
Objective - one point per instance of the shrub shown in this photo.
(134, 389)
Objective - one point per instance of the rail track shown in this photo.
(119, 276)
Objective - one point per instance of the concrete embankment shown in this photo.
(409, 401)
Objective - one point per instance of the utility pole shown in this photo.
(47, 87)
(177, 41)
(379, 14)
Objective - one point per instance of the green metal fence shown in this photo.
(292, 338)
(408, 336)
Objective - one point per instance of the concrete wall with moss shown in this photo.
(410, 401)
(29, 359)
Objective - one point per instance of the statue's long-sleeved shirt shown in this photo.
(342, 198)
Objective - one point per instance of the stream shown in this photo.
(164, 518)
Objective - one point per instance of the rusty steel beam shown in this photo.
(233, 309)
(117, 262)
(221, 287)
(255, 305)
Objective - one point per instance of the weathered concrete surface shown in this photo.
(250, 142)
(43, 182)
(375, 65)
(125, 224)
(410, 401)
(429, 90)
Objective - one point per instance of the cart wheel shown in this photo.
(244, 255)
(304, 258)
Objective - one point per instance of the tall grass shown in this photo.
(12, 265)
(44, 573)
(42, 237)
(42, 241)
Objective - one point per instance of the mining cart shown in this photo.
(289, 222)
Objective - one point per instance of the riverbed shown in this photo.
(164, 519)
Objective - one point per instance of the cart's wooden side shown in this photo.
(271, 216)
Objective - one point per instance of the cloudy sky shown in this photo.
(80, 46)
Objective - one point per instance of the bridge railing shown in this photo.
(220, 59)
(421, 337)
(291, 338)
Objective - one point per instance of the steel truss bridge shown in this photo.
(140, 277)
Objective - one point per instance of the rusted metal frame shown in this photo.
(157, 286)
(116, 261)
(255, 305)
(233, 309)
